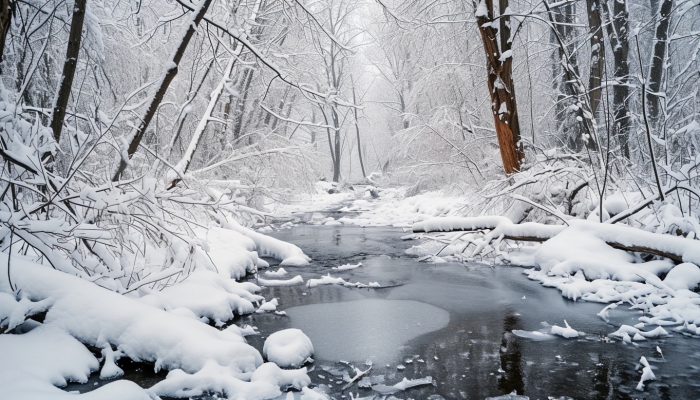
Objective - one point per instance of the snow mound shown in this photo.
(325, 280)
(279, 272)
(100, 317)
(209, 295)
(683, 276)
(268, 306)
(267, 246)
(232, 253)
(284, 378)
(34, 363)
(288, 348)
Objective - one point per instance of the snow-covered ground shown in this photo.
(370, 206)
(175, 328)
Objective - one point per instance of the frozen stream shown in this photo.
(452, 322)
(466, 314)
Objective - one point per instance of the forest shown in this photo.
(165, 162)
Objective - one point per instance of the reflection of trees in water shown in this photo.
(511, 357)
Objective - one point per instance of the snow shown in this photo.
(566, 331)
(232, 253)
(279, 272)
(34, 363)
(481, 10)
(647, 374)
(325, 280)
(403, 385)
(683, 276)
(345, 267)
(100, 317)
(534, 335)
(268, 306)
(209, 295)
(288, 348)
(268, 246)
(297, 280)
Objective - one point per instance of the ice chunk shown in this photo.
(534, 335)
(288, 348)
(347, 266)
(566, 332)
(403, 385)
(647, 374)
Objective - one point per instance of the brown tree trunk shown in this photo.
(170, 72)
(69, 66)
(500, 83)
(6, 11)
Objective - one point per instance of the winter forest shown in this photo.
(349, 199)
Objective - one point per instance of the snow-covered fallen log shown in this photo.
(678, 249)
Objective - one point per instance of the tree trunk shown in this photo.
(69, 67)
(168, 76)
(500, 84)
(239, 109)
(658, 58)
(618, 33)
(6, 11)
(336, 145)
(597, 43)
(357, 129)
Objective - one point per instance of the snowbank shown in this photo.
(270, 247)
(209, 295)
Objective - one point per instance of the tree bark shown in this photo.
(658, 58)
(500, 83)
(69, 67)
(168, 76)
(6, 11)
(618, 34)
(357, 130)
(597, 53)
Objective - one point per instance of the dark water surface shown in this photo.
(466, 314)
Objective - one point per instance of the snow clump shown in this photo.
(288, 348)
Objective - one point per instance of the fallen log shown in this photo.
(623, 237)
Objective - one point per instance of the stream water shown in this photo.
(452, 322)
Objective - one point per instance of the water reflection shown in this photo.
(511, 358)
